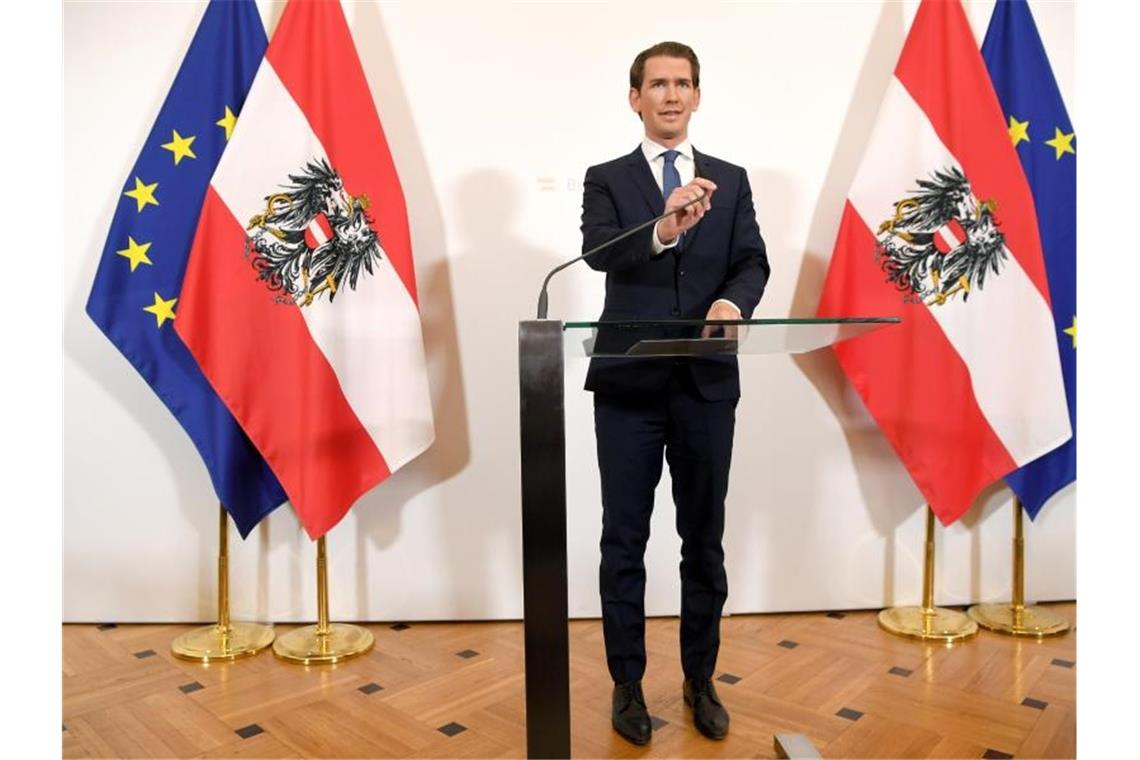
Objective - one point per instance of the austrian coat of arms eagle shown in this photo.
(941, 242)
(314, 239)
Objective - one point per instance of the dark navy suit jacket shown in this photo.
(723, 256)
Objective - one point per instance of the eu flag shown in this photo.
(134, 299)
(1043, 136)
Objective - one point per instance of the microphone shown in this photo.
(542, 296)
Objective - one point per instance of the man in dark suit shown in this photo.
(706, 261)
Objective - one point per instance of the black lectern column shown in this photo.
(543, 439)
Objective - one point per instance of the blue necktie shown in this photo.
(670, 177)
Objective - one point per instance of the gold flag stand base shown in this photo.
(223, 641)
(309, 646)
(1031, 621)
(213, 643)
(324, 643)
(937, 623)
(928, 622)
(1015, 618)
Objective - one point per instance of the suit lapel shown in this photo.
(643, 179)
(703, 168)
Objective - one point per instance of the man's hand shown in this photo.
(671, 227)
(722, 310)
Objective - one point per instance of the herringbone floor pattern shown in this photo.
(455, 690)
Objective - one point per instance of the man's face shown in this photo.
(667, 99)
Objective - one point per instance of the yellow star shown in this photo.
(1018, 130)
(161, 309)
(180, 146)
(135, 252)
(1062, 143)
(143, 194)
(227, 122)
(1072, 331)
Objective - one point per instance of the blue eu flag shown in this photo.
(1043, 136)
(134, 299)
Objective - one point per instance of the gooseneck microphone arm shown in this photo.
(542, 297)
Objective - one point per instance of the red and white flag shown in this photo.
(299, 301)
(940, 229)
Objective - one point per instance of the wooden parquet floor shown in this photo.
(456, 690)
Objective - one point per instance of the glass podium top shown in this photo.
(697, 337)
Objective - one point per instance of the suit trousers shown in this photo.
(695, 436)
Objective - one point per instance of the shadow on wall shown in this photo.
(500, 273)
(478, 528)
(766, 426)
(770, 422)
(993, 503)
(378, 513)
(887, 490)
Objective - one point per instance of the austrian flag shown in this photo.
(940, 230)
(299, 301)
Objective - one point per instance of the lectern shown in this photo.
(543, 346)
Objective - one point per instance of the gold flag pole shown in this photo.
(928, 622)
(223, 641)
(1015, 618)
(323, 643)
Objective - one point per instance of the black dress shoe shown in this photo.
(630, 718)
(709, 714)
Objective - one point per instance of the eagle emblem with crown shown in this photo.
(941, 241)
(313, 239)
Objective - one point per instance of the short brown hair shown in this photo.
(669, 49)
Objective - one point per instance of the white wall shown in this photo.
(493, 113)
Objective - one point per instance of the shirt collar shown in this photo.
(652, 149)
